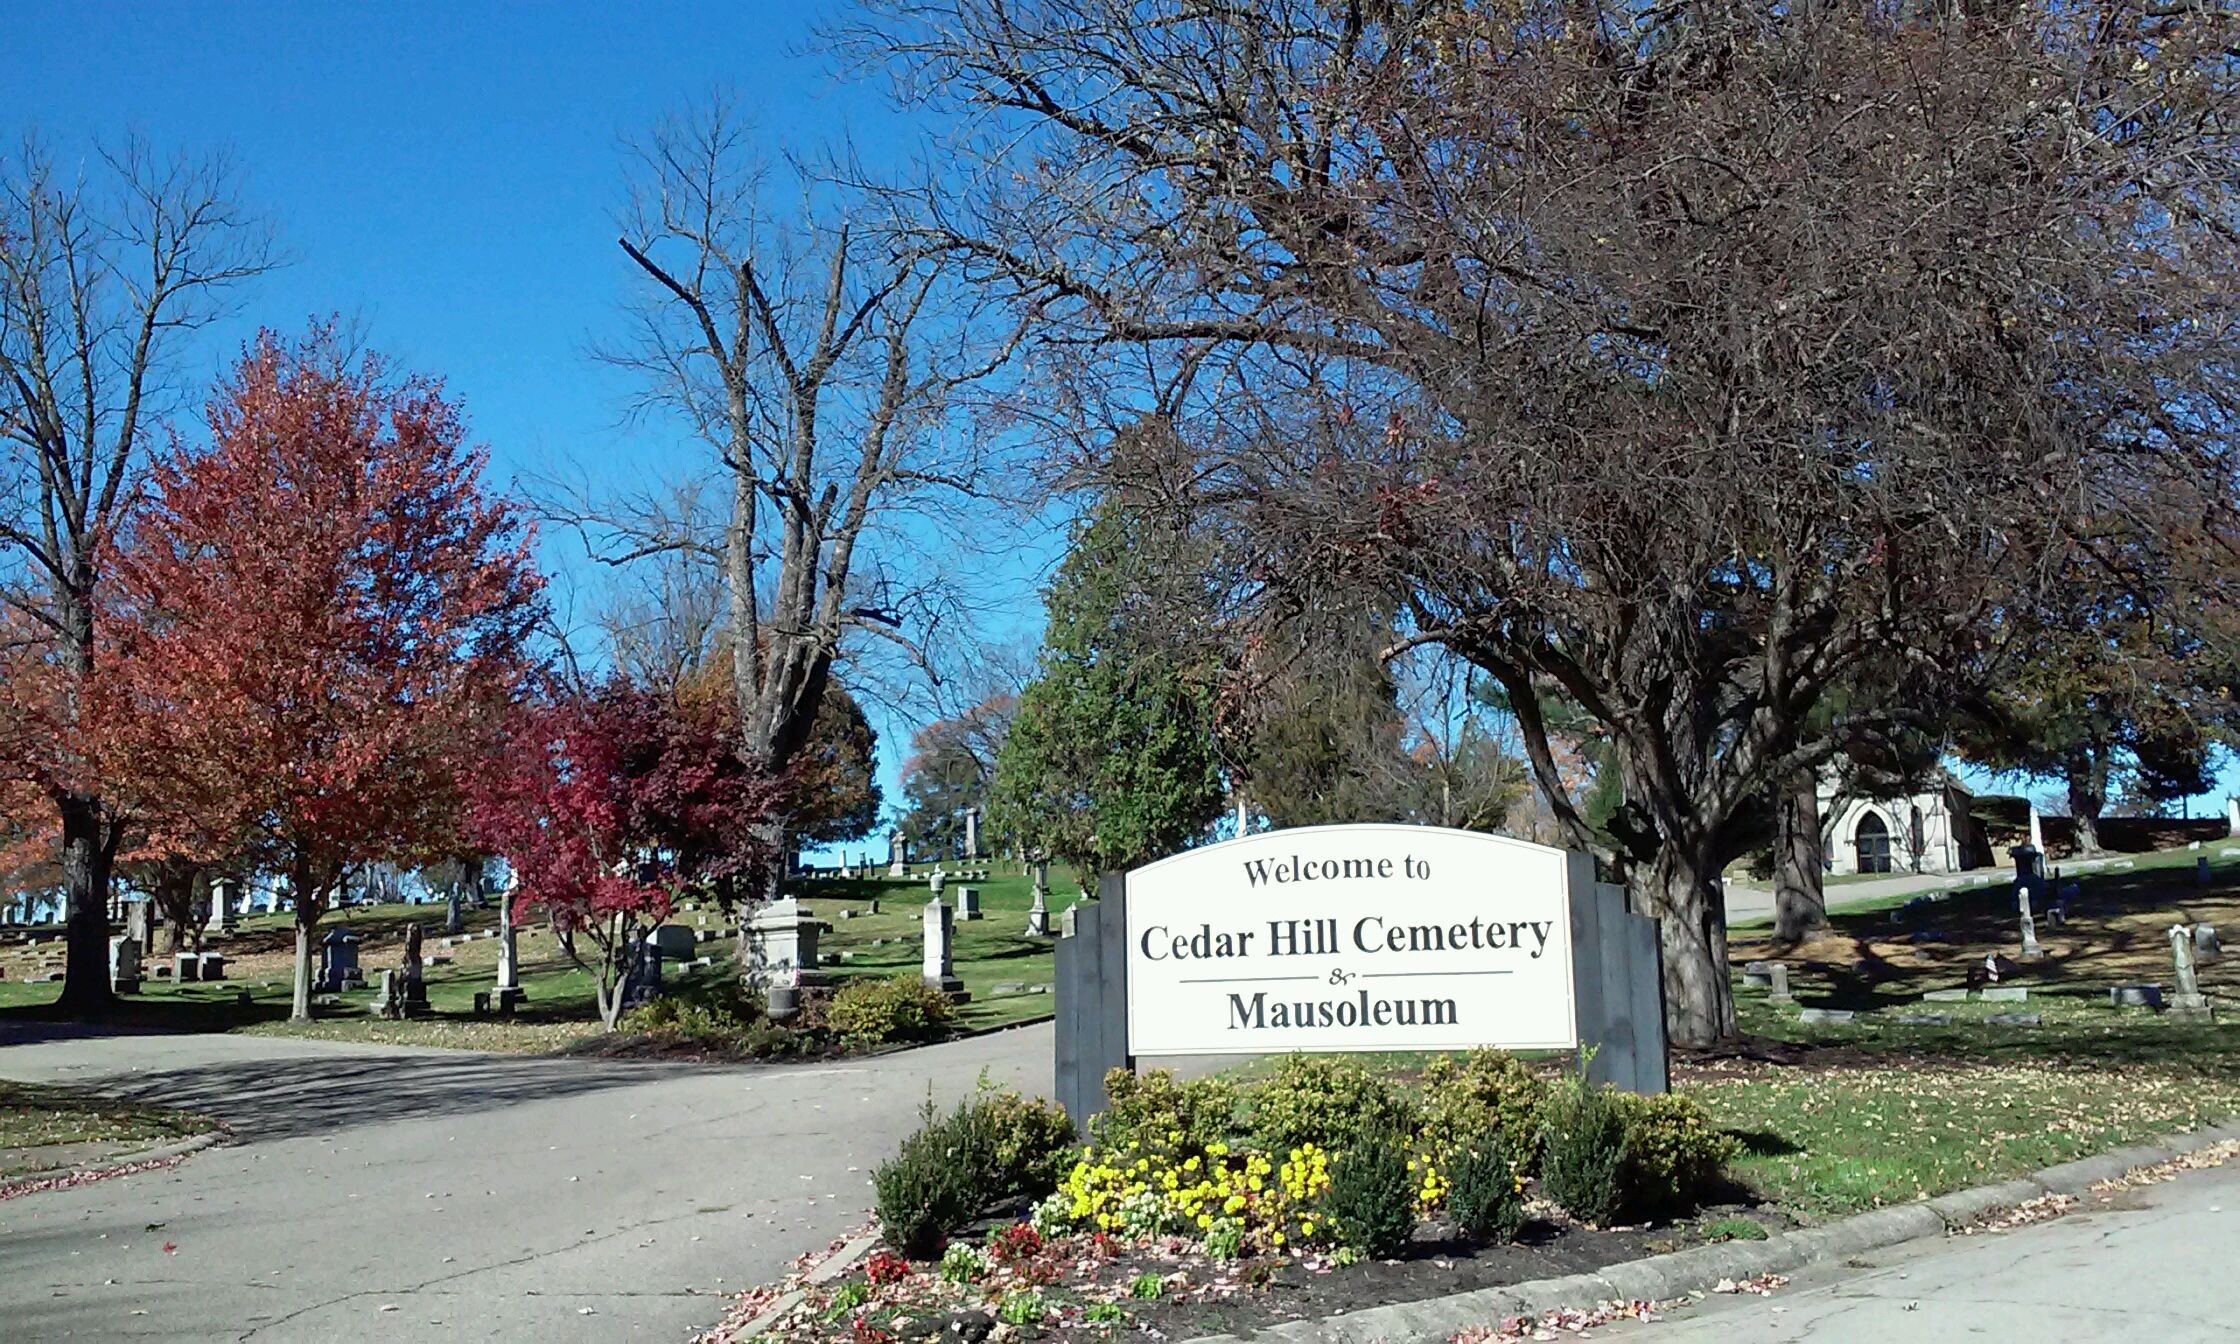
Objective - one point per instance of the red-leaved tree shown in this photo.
(609, 804)
(316, 618)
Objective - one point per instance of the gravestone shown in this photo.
(937, 879)
(972, 832)
(940, 968)
(897, 860)
(968, 903)
(213, 965)
(1038, 914)
(454, 911)
(2014, 1019)
(2005, 993)
(124, 964)
(139, 922)
(225, 895)
(185, 966)
(1945, 996)
(2232, 816)
(2037, 835)
(1778, 984)
(1825, 1016)
(410, 986)
(782, 955)
(1068, 923)
(1759, 973)
(507, 994)
(674, 940)
(338, 963)
(645, 985)
(2189, 944)
(2029, 882)
(2135, 996)
(2201, 871)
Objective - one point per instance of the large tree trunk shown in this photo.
(2088, 795)
(1800, 902)
(85, 878)
(1682, 890)
(300, 1011)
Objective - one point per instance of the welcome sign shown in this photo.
(1364, 937)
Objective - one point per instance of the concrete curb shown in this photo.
(160, 1153)
(1664, 1277)
(828, 1269)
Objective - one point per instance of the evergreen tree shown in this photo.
(1111, 760)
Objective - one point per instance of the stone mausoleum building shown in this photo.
(1932, 831)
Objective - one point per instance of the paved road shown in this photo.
(2155, 1265)
(1747, 903)
(483, 1197)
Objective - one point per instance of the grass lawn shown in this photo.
(38, 1122)
(1001, 967)
(998, 963)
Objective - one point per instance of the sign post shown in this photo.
(1365, 937)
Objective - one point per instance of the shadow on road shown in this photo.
(289, 1098)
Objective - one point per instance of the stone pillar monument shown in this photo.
(225, 895)
(1038, 914)
(2037, 830)
(972, 832)
(2029, 882)
(940, 967)
(508, 994)
(2190, 943)
(897, 855)
(2232, 817)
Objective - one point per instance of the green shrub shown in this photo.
(1032, 1142)
(1484, 1193)
(1674, 1154)
(1371, 1202)
(1146, 1286)
(936, 1181)
(1025, 1308)
(1735, 1229)
(1104, 1313)
(847, 1298)
(1583, 1154)
(1461, 1099)
(1329, 1102)
(721, 1013)
(871, 1012)
(1145, 1110)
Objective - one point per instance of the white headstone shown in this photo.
(2037, 830)
(2232, 816)
(939, 969)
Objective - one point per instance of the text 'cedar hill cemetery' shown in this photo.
(1353, 938)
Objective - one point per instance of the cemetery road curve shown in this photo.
(2154, 1264)
(439, 1194)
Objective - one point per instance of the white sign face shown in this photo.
(1351, 938)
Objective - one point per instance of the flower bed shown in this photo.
(1202, 1205)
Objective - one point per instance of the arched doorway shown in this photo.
(1873, 840)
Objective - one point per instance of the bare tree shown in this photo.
(1680, 362)
(825, 364)
(102, 273)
